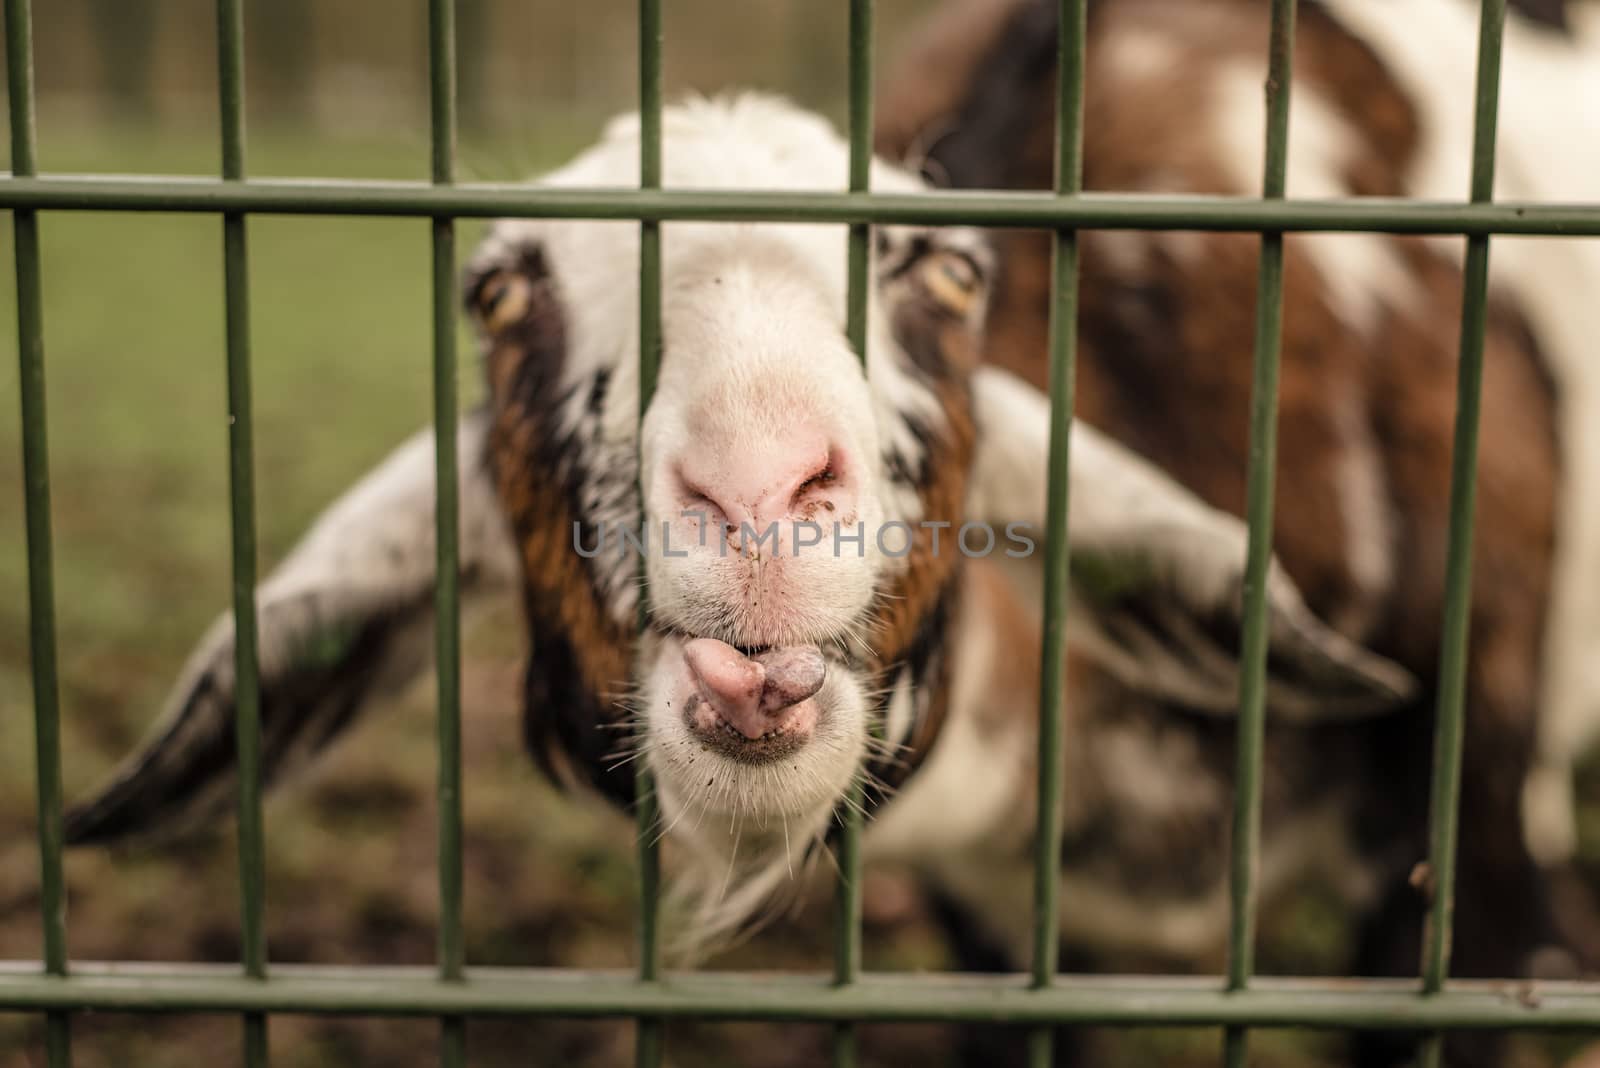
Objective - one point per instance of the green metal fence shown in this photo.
(1038, 1000)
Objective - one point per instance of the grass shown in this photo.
(139, 467)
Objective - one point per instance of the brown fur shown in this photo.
(930, 72)
(918, 609)
(566, 616)
(911, 598)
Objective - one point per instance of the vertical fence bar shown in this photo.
(1259, 504)
(1445, 801)
(241, 484)
(447, 608)
(1063, 363)
(36, 503)
(847, 892)
(650, 1036)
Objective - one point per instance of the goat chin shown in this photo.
(744, 832)
(727, 886)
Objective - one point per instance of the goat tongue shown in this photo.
(794, 673)
(751, 694)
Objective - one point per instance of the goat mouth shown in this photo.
(720, 736)
(714, 742)
(751, 706)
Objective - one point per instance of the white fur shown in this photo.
(380, 533)
(1369, 520)
(1361, 271)
(757, 360)
(1548, 149)
(968, 787)
(1120, 502)
(901, 714)
(1143, 54)
(1128, 512)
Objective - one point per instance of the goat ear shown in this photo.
(1162, 611)
(348, 616)
(1158, 575)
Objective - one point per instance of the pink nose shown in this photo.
(754, 695)
(802, 478)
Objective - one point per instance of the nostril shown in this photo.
(767, 484)
(822, 484)
(696, 497)
(819, 481)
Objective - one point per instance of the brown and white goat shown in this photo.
(755, 687)
(765, 663)
(1381, 106)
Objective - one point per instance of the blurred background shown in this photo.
(133, 307)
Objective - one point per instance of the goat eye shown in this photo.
(953, 281)
(503, 300)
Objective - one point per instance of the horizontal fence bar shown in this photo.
(1387, 1004)
(1092, 211)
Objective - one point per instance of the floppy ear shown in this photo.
(348, 616)
(1158, 575)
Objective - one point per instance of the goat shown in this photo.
(762, 412)
(1367, 396)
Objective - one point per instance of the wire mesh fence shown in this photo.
(1039, 1000)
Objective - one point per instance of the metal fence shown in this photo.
(1039, 1000)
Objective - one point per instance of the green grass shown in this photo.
(138, 432)
(138, 425)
